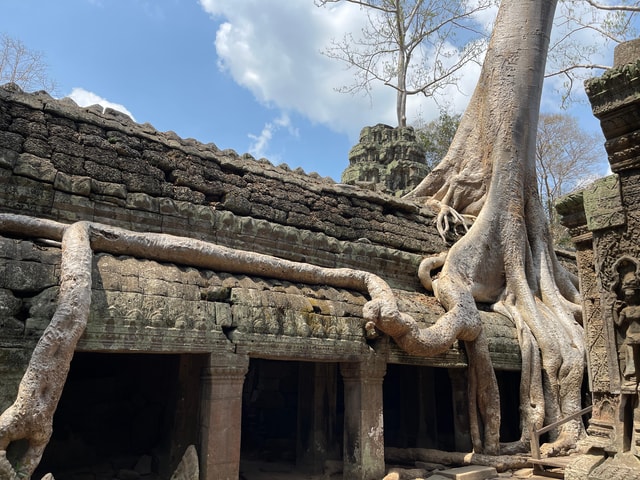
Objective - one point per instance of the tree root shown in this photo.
(450, 223)
(427, 266)
(31, 416)
(409, 455)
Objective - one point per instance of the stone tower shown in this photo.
(386, 159)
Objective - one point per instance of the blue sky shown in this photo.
(243, 74)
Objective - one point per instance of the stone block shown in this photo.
(109, 189)
(469, 472)
(7, 158)
(73, 184)
(523, 473)
(142, 201)
(583, 466)
(34, 167)
(143, 465)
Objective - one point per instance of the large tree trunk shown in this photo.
(506, 258)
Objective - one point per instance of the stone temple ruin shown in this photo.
(243, 366)
(386, 159)
(179, 350)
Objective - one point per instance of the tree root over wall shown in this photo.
(30, 417)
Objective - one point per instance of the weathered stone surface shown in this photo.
(188, 467)
(579, 469)
(603, 204)
(34, 167)
(626, 52)
(68, 164)
(623, 467)
(609, 268)
(386, 159)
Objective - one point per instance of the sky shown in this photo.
(243, 74)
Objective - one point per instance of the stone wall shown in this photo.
(65, 163)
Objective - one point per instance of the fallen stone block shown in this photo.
(470, 472)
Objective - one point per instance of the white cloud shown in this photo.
(274, 50)
(84, 98)
(260, 146)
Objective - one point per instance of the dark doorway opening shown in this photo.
(124, 413)
(509, 386)
(418, 407)
(292, 416)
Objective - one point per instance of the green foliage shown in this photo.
(436, 136)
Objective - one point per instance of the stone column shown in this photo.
(317, 394)
(221, 416)
(363, 455)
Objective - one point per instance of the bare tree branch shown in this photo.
(622, 8)
(409, 46)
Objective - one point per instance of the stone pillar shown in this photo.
(317, 394)
(363, 454)
(221, 416)
(602, 357)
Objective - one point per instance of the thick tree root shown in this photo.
(30, 417)
(409, 455)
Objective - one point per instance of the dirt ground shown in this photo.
(284, 471)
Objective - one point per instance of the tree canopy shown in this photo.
(437, 135)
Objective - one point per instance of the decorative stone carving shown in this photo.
(603, 204)
(609, 231)
(626, 315)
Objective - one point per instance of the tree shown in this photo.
(401, 35)
(581, 28)
(22, 66)
(506, 259)
(566, 158)
(436, 136)
(392, 48)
